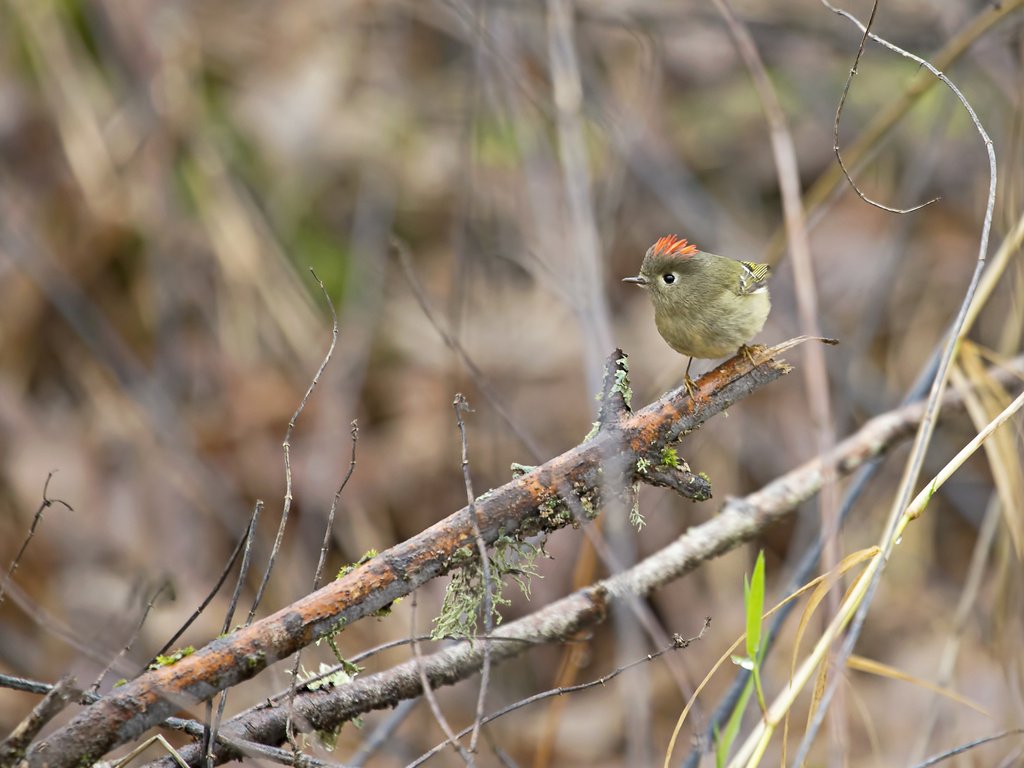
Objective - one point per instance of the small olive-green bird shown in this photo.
(705, 305)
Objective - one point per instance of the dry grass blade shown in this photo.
(984, 399)
(875, 667)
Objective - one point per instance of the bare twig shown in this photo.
(839, 114)
(13, 747)
(936, 759)
(318, 572)
(212, 723)
(428, 692)
(131, 640)
(371, 652)
(243, 570)
(678, 642)
(481, 381)
(228, 566)
(462, 406)
(190, 727)
(317, 576)
(354, 433)
(36, 519)
(286, 446)
(245, 748)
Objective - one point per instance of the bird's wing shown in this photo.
(752, 278)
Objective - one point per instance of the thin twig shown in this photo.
(382, 733)
(354, 433)
(131, 640)
(212, 723)
(481, 381)
(191, 727)
(839, 113)
(282, 756)
(46, 502)
(461, 406)
(286, 446)
(377, 649)
(863, 147)
(936, 759)
(228, 566)
(318, 572)
(678, 642)
(13, 747)
(428, 692)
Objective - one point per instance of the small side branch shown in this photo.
(616, 396)
(682, 481)
(839, 114)
(13, 747)
(46, 502)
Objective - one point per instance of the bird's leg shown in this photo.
(748, 353)
(691, 387)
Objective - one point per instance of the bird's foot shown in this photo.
(691, 388)
(748, 352)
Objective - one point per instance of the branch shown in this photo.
(605, 463)
(13, 747)
(739, 521)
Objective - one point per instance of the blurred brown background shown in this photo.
(169, 171)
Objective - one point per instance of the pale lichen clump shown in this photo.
(464, 598)
(636, 519)
(621, 384)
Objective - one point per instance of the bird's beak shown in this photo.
(638, 280)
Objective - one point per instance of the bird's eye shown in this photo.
(669, 278)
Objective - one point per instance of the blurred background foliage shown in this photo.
(170, 171)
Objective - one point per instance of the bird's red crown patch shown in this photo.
(671, 245)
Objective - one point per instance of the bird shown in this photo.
(705, 305)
